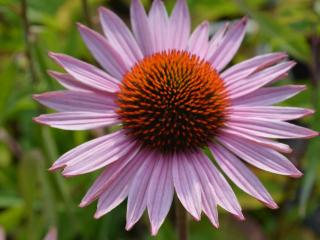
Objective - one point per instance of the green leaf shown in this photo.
(281, 35)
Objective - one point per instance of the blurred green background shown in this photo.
(32, 200)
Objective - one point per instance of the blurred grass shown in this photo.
(32, 200)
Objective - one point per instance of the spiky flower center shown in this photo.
(172, 101)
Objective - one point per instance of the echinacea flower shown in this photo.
(170, 95)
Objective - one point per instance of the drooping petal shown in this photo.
(270, 128)
(269, 112)
(208, 195)
(160, 193)
(120, 36)
(78, 120)
(75, 101)
(116, 189)
(158, 21)
(268, 95)
(241, 175)
(224, 194)
(95, 154)
(137, 198)
(281, 147)
(187, 185)
(250, 66)
(87, 74)
(111, 60)
(125, 166)
(198, 42)
(260, 156)
(111, 153)
(70, 83)
(258, 80)
(229, 45)
(180, 25)
(140, 27)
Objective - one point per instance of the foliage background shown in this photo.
(32, 200)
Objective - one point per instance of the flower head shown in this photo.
(169, 92)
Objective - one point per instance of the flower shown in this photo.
(169, 94)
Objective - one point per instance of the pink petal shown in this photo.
(75, 101)
(100, 158)
(216, 40)
(158, 20)
(78, 120)
(248, 67)
(140, 27)
(180, 25)
(258, 80)
(115, 190)
(262, 141)
(160, 193)
(111, 60)
(198, 42)
(241, 175)
(229, 45)
(187, 185)
(137, 198)
(120, 36)
(95, 154)
(123, 167)
(208, 195)
(68, 82)
(268, 95)
(86, 74)
(224, 194)
(259, 156)
(51, 235)
(270, 128)
(269, 112)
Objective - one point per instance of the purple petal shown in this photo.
(224, 194)
(248, 67)
(68, 82)
(95, 154)
(125, 166)
(180, 25)
(260, 156)
(140, 27)
(160, 193)
(86, 74)
(208, 195)
(258, 80)
(216, 40)
(269, 112)
(262, 141)
(241, 175)
(115, 189)
(268, 95)
(120, 36)
(187, 185)
(270, 128)
(229, 45)
(137, 198)
(198, 42)
(73, 101)
(78, 120)
(104, 53)
(158, 20)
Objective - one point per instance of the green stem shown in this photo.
(27, 40)
(86, 11)
(181, 221)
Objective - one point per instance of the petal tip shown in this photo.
(98, 215)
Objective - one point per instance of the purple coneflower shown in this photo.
(168, 92)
